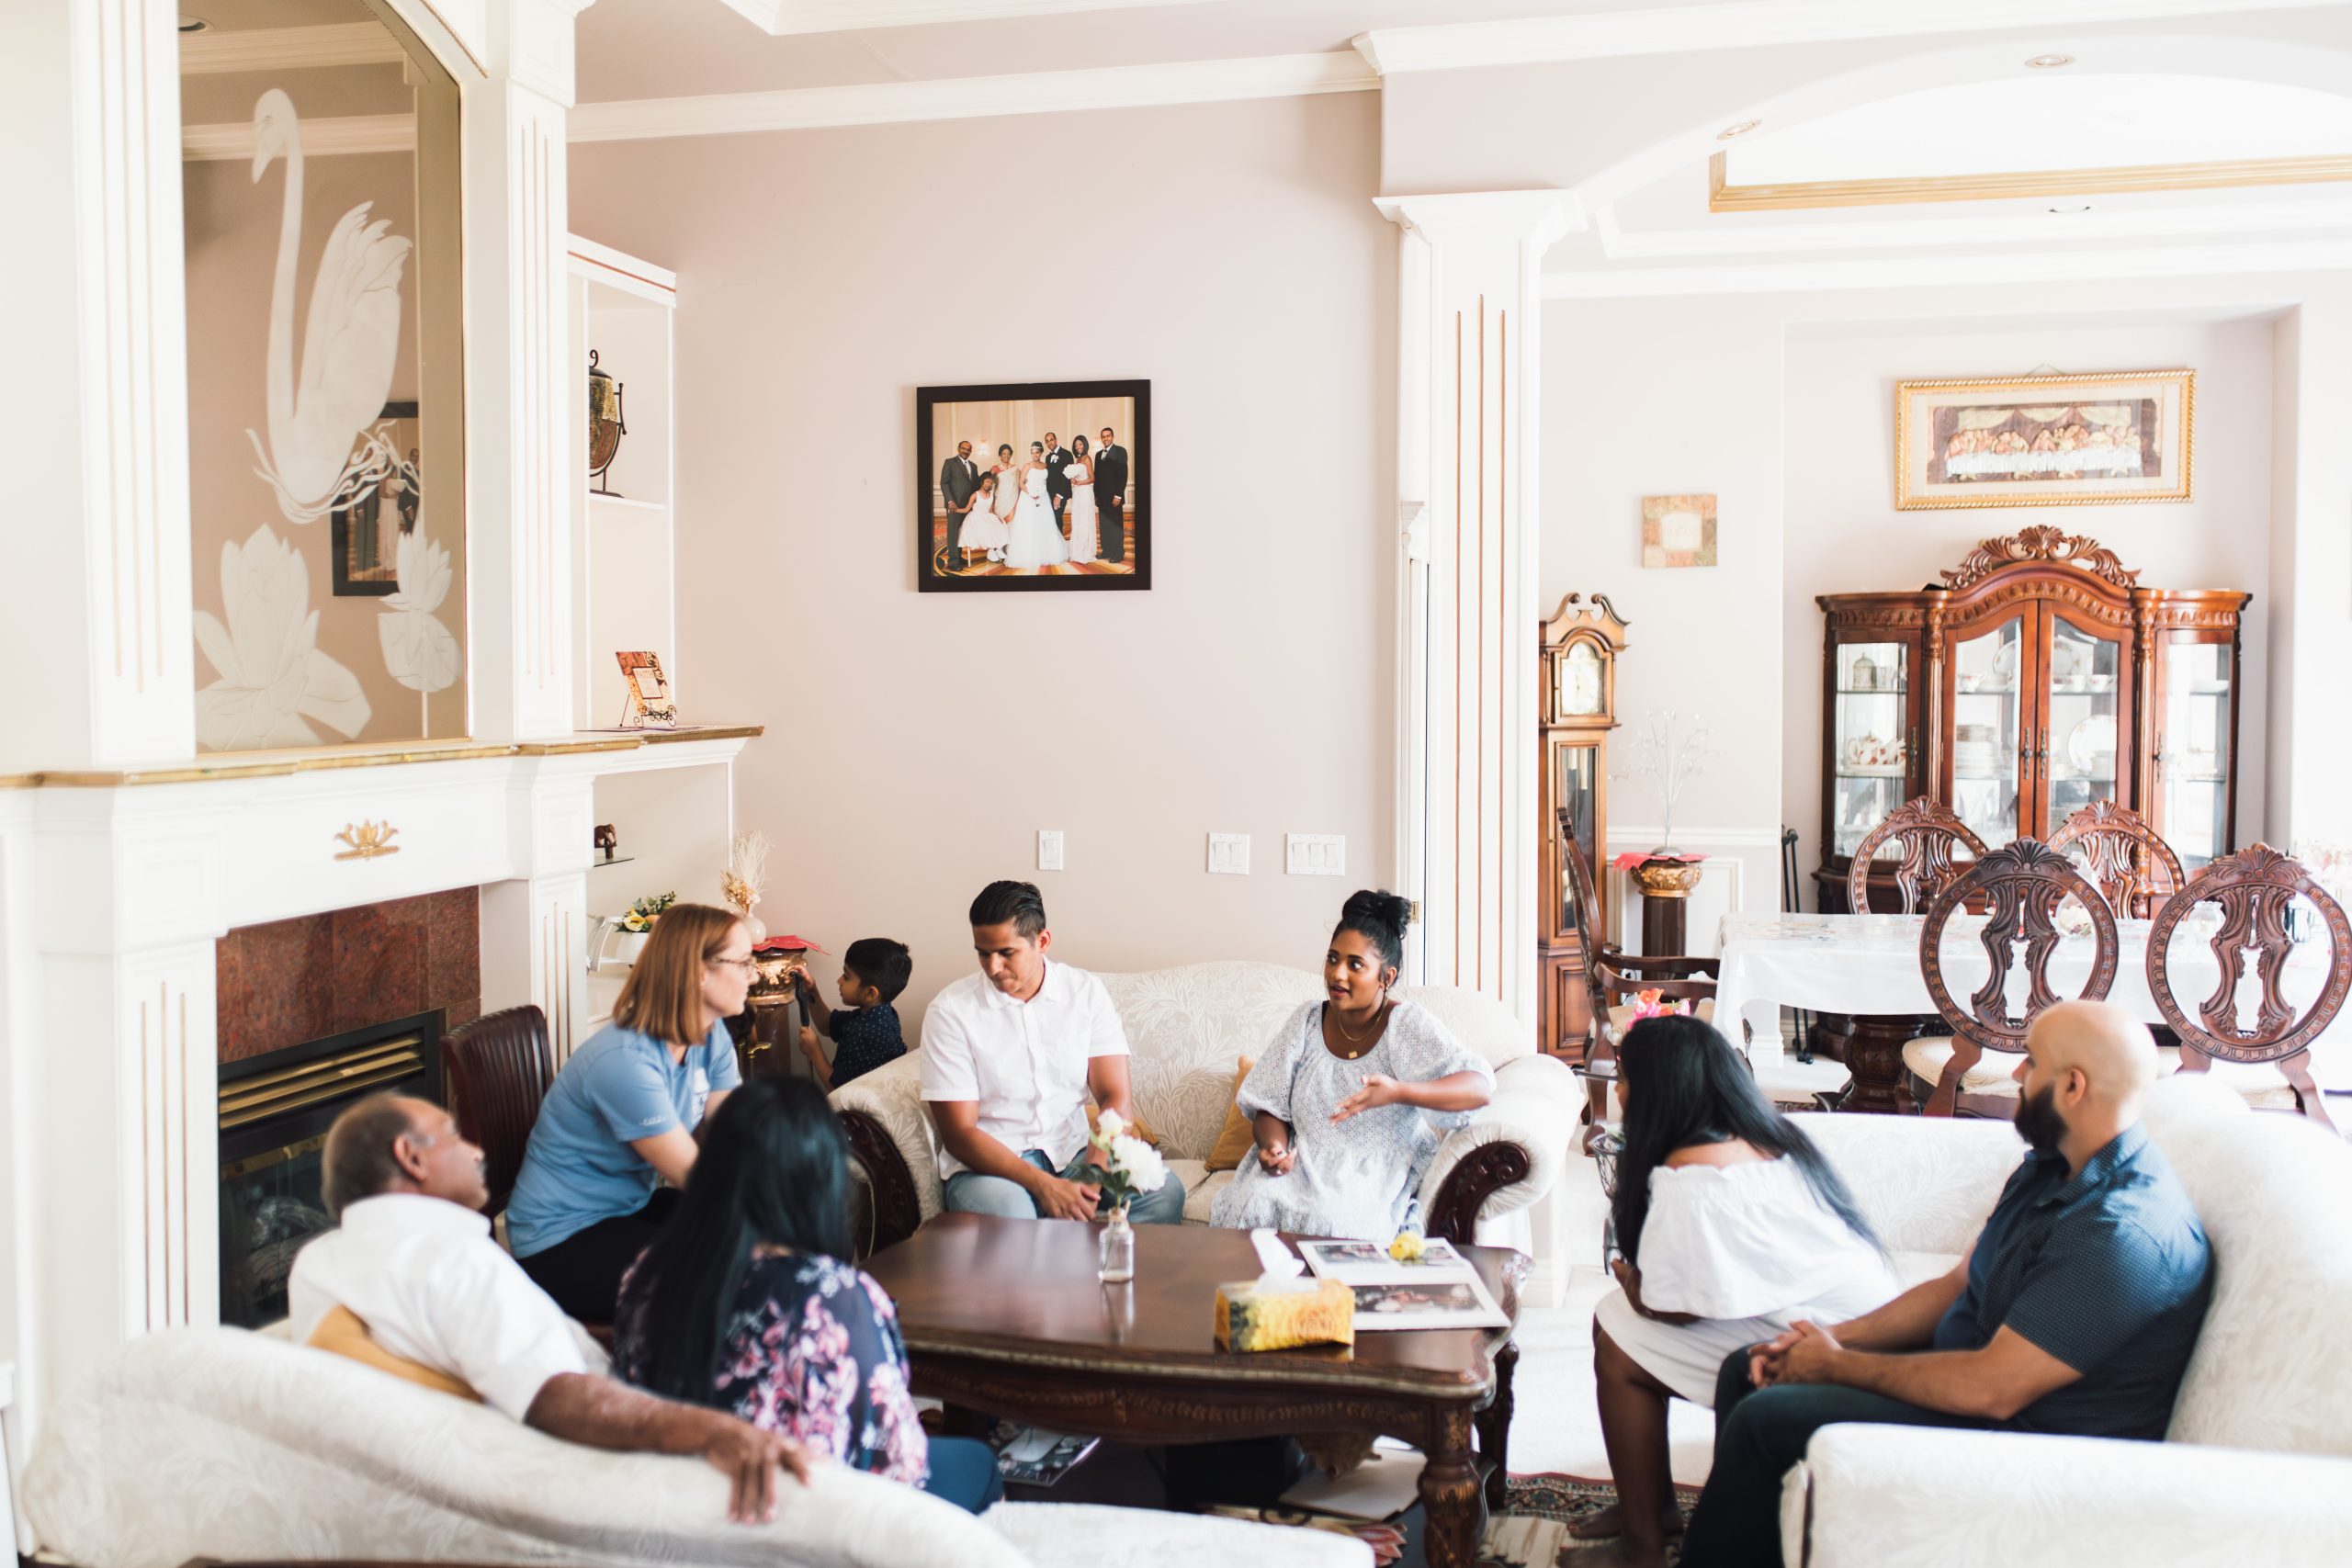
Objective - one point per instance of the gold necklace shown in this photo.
(1365, 1043)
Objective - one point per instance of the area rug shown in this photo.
(1537, 1511)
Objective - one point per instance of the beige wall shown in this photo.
(1793, 429)
(233, 239)
(918, 742)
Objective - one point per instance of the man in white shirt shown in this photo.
(1008, 1057)
(415, 1262)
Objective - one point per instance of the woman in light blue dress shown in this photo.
(1351, 1099)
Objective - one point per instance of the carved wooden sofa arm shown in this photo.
(1511, 1153)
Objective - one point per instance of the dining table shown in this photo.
(1866, 968)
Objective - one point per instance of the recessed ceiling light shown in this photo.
(1742, 128)
(193, 24)
(2048, 62)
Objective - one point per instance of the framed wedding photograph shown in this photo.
(1030, 486)
(2044, 440)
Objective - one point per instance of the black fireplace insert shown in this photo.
(275, 1111)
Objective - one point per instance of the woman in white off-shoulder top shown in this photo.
(1732, 1226)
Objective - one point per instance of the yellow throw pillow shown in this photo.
(1139, 1128)
(341, 1332)
(1239, 1133)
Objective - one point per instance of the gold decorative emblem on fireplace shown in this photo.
(367, 840)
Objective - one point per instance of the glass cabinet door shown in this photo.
(2081, 745)
(1988, 740)
(1871, 760)
(2192, 750)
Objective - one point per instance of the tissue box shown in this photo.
(1276, 1314)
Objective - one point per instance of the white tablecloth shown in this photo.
(1870, 964)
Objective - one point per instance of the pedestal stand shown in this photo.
(1666, 887)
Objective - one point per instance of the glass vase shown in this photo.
(1118, 1247)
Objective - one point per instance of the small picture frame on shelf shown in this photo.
(649, 706)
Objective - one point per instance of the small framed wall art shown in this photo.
(1677, 530)
(2044, 440)
(1032, 486)
(651, 706)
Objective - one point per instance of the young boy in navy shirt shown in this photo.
(865, 1028)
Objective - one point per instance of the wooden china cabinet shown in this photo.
(1580, 645)
(2037, 677)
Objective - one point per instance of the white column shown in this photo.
(534, 928)
(520, 451)
(93, 395)
(1470, 321)
(124, 1212)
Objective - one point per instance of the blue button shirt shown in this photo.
(622, 1085)
(866, 1038)
(2108, 1270)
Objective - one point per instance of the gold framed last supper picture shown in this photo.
(2044, 440)
(1032, 486)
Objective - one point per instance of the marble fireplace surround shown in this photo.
(290, 982)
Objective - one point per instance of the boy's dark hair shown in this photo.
(881, 964)
(1019, 902)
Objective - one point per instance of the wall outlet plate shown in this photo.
(1315, 854)
(1229, 854)
(1049, 849)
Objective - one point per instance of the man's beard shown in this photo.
(2038, 1121)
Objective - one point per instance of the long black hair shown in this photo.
(774, 1169)
(1685, 1085)
(1379, 917)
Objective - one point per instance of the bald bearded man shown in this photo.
(2075, 1313)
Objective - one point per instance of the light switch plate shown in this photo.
(1315, 854)
(1229, 854)
(1049, 849)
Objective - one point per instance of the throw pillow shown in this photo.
(1239, 1133)
(342, 1333)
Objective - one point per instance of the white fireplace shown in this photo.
(125, 855)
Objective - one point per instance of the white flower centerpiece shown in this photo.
(1125, 1167)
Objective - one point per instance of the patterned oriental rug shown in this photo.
(1537, 1511)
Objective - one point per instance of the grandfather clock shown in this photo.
(1580, 643)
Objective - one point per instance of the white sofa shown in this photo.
(225, 1444)
(1186, 1028)
(2257, 1465)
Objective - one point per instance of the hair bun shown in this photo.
(1378, 906)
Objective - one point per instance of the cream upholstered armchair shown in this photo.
(2257, 1464)
(223, 1444)
(1186, 1028)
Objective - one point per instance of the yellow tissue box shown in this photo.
(1278, 1315)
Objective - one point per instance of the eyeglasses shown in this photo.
(745, 965)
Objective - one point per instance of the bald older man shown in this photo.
(2075, 1313)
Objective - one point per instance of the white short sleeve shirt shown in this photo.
(1024, 1063)
(424, 1275)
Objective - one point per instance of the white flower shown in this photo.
(419, 651)
(1138, 1162)
(1107, 1126)
(272, 673)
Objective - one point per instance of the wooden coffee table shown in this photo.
(1006, 1316)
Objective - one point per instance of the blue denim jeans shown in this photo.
(969, 1193)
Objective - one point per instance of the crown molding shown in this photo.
(973, 97)
(288, 48)
(323, 137)
(1457, 46)
(780, 17)
(1891, 272)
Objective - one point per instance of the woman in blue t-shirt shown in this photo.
(625, 1111)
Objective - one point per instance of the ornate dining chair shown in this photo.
(2131, 863)
(2022, 883)
(2254, 888)
(1614, 978)
(1926, 836)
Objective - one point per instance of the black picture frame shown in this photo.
(360, 522)
(931, 576)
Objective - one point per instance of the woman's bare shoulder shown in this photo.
(1736, 1151)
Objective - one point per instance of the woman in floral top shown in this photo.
(745, 1302)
